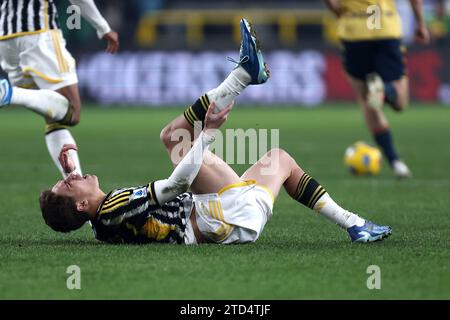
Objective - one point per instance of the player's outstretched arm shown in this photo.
(422, 35)
(90, 12)
(185, 172)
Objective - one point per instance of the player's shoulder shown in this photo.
(122, 197)
(130, 192)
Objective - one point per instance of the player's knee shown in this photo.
(280, 154)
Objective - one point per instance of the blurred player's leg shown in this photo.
(379, 127)
(401, 100)
(388, 75)
(277, 168)
(395, 93)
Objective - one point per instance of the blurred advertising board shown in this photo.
(306, 78)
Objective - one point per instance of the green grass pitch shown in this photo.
(299, 255)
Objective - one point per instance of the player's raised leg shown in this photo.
(47, 103)
(250, 70)
(277, 168)
(394, 93)
(60, 109)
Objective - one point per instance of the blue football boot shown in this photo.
(369, 232)
(250, 56)
(5, 92)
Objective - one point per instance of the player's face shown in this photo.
(77, 187)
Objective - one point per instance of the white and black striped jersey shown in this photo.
(133, 215)
(22, 17)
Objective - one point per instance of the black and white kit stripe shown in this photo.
(19, 17)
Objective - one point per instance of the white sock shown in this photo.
(230, 88)
(333, 212)
(55, 141)
(47, 103)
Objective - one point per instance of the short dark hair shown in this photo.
(60, 212)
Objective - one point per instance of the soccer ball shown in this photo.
(363, 159)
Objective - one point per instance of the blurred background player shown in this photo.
(41, 72)
(373, 57)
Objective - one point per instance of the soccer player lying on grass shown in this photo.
(221, 207)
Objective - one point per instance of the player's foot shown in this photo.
(375, 91)
(401, 170)
(5, 92)
(369, 232)
(250, 56)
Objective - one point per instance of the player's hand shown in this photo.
(422, 35)
(113, 42)
(266, 68)
(64, 158)
(215, 120)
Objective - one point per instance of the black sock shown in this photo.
(308, 191)
(197, 111)
(384, 140)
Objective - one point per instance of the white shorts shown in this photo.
(236, 214)
(38, 60)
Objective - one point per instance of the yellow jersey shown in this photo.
(369, 20)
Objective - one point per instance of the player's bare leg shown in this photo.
(57, 132)
(402, 88)
(250, 70)
(378, 93)
(277, 168)
(379, 126)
